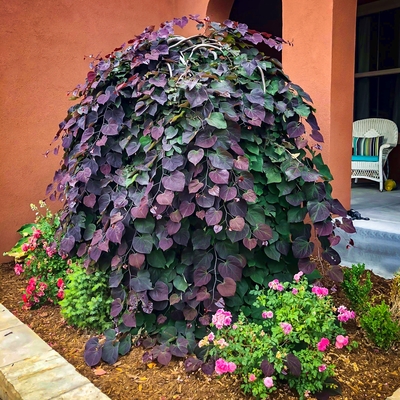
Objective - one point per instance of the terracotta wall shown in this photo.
(322, 62)
(43, 43)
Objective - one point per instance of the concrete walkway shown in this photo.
(31, 370)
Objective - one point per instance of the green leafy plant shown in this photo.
(380, 327)
(37, 258)
(188, 171)
(87, 299)
(357, 286)
(284, 341)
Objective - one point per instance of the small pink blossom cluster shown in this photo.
(320, 291)
(345, 314)
(287, 328)
(34, 291)
(18, 269)
(322, 368)
(32, 241)
(222, 318)
(275, 285)
(222, 366)
(298, 276)
(267, 314)
(60, 285)
(340, 342)
(268, 382)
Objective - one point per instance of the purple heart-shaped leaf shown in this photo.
(174, 182)
(242, 163)
(219, 176)
(227, 288)
(236, 224)
(136, 260)
(186, 208)
(195, 156)
(227, 193)
(165, 243)
(195, 185)
(213, 216)
(250, 243)
(165, 198)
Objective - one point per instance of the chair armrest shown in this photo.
(384, 147)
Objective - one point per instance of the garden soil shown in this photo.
(364, 373)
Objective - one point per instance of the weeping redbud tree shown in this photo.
(190, 166)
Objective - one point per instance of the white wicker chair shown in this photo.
(374, 170)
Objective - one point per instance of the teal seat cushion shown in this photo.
(365, 158)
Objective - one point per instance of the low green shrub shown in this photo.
(87, 299)
(357, 286)
(284, 342)
(379, 326)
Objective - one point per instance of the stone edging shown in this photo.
(31, 370)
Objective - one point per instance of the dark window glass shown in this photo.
(389, 32)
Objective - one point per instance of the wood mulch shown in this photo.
(364, 373)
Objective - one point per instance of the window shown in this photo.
(377, 75)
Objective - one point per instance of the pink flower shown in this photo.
(25, 247)
(234, 326)
(267, 314)
(320, 291)
(222, 318)
(231, 367)
(345, 314)
(60, 283)
(268, 382)
(322, 368)
(341, 341)
(252, 378)
(221, 366)
(221, 343)
(295, 291)
(18, 269)
(36, 233)
(211, 337)
(287, 328)
(298, 276)
(60, 294)
(323, 344)
(275, 285)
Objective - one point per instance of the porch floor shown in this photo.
(377, 241)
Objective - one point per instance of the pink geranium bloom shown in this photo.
(295, 291)
(322, 368)
(287, 328)
(222, 318)
(221, 366)
(268, 382)
(60, 283)
(25, 247)
(267, 314)
(231, 366)
(252, 378)
(275, 285)
(323, 344)
(341, 341)
(298, 276)
(320, 291)
(18, 269)
(211, 337)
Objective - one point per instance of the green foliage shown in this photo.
(87, 299)
(37, 258)
(357, 286)
(190, 166)
(380, 327)
(285, 340)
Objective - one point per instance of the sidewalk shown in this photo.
(31, 370)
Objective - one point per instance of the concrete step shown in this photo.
(31, 370)
(376, 244)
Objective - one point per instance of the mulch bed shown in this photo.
(364, 373)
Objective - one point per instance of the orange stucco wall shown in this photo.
(43, 44)
(322, 62)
